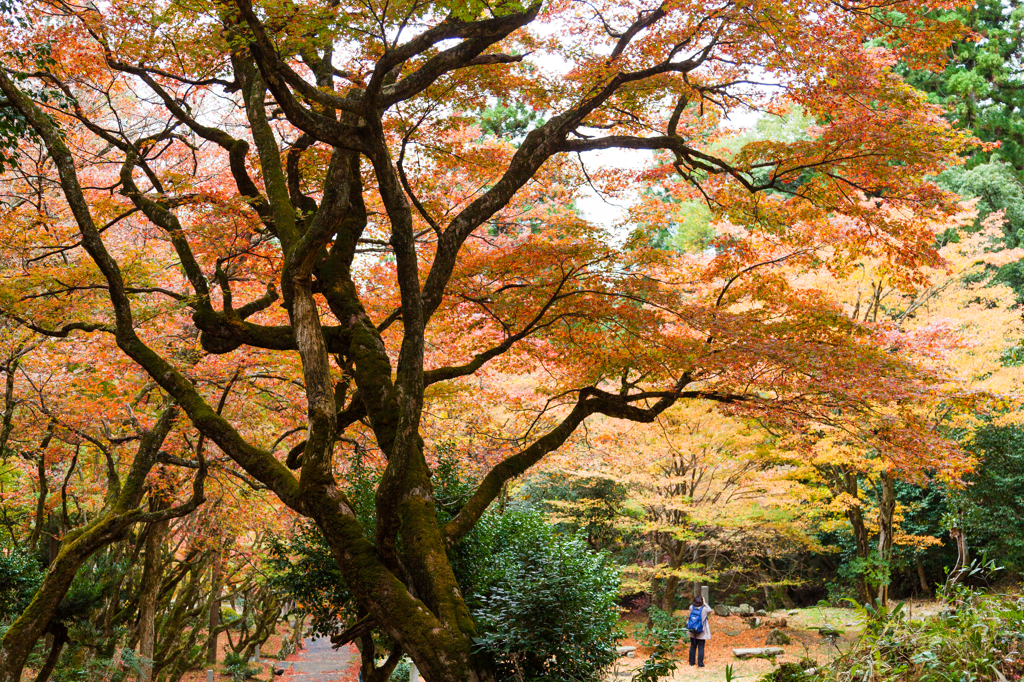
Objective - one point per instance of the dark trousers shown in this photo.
(697, 648)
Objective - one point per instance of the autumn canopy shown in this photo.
(272, 235)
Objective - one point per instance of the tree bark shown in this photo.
(920, 575)
(841, 481)
(37, 527)
(60, 638)
(149, 593)
(863, 548)
(886, 513)
(963, 558)
(214, 617)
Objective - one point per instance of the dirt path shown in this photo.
(318, 661)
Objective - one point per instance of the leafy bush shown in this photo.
(546, 607)
(661, 635)
(994, 500)
(401, 671)
(238, 667)
(662, 631)
(20, 576)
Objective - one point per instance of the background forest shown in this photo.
(413, 327)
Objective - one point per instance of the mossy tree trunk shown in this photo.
(844, 482)
(886, 523)
(60, 637)
(213, 619)
(149, 589)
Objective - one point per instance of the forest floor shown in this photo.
(317, 661)
(728, 633)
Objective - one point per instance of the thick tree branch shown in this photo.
(591, 401)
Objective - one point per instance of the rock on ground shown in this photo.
(759, 652)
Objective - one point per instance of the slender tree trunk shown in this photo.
(149, 593)
(963, 558)
(214, 618)
(60, 638)
(7, 420)
(37, 528)
(920, 575)
(675, 560)
(300, 625)
(886, 513)
(863, 548)
(668, 597)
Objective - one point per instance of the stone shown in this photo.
(793, 612)
(761, 612)
(721, 610)
(753, 621)
(776, 622)
(746, 610)
(625, 650)
(631, 654)
(759, 652)
(734, 610)
(778, 637)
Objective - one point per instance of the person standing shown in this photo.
(700, 630)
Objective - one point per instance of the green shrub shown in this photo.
(547, 605)
(401, 671)
(660, 634)
(20, 576)
(238, 667)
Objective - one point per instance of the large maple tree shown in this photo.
(297, 190)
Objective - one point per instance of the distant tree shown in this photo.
(982, 85)
(509, 121)
(990, 507)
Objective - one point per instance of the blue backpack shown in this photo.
(695, 623)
